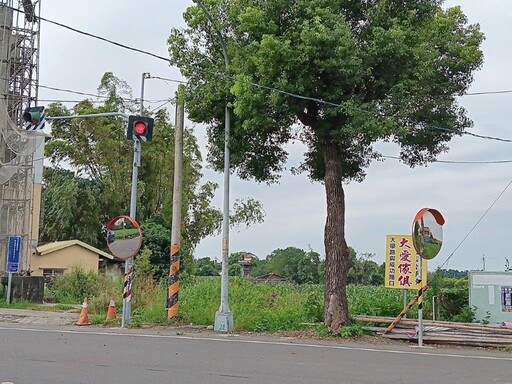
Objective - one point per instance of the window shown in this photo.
(53, 272)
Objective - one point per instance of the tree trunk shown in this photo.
(337, 256)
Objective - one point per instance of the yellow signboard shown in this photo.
(402, 262)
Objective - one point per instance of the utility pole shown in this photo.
(174, 268)
(483, 262)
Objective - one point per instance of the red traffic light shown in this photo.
(139, 128)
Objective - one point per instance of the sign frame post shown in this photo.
(427, 236)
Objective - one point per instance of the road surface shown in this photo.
(46, 354)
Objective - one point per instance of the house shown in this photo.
(271, 278)
(62, 257)
(245, 262)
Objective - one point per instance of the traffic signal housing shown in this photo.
(33, 118)
(140, 128)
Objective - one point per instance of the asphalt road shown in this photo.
(125, 248)
(72, 354)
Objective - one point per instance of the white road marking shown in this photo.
(227, 339)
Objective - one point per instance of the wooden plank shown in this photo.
(411, 322)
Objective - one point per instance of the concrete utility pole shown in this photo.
(224, 316)
(174, 267)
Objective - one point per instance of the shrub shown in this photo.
(73, 288)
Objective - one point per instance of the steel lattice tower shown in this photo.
(20, 151)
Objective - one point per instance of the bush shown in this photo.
(73, 288)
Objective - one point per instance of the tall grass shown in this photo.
(258, 307)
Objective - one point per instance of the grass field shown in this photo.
(257, 307)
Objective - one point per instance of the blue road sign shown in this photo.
(13, 255)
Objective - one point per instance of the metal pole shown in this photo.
(420, 307)
(434, 308)
(223, 317)
(128, 265)
(174, 267)
(9, 282)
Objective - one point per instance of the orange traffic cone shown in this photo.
(111, 311)
(83, 319)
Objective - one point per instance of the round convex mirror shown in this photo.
(427, 232)
(124, 237)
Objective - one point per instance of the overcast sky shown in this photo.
(388, 199)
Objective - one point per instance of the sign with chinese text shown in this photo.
(506, 299)
(402, 263)
(13, 254)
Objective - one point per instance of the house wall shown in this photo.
(491, 294)
(69, 259)
(114, 270)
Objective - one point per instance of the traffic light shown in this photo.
(140, 127)
(33, 118)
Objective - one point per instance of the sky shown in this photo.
(475, 199)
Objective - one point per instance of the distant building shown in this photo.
(245, 263)
(271, 278)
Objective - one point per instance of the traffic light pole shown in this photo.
(128, 264)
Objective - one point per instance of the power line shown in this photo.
(70, 91)
(459, 162)
(166, 79)
(160, 106)
(94, 95)
(487, 93)
(223, 75)
(291, 94)
(476, 224)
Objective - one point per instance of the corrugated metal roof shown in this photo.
(58, 245)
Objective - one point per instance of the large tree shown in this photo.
(344, 74)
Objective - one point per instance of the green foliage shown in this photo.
(142, 264)
(295, 265)
(259, 307)
(352, 330)
(376, 301)
(259, 267)
(234, 270)
(394, 69)
(157, 238)
(454, 300)
(365, 271)
(385, 71)
(75, 287)
(205, 267)
(76, 202)
(71, 208)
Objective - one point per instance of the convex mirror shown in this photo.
(427, 232)
(124, 237)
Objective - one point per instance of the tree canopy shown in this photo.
(89, 181)
(337, 75)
